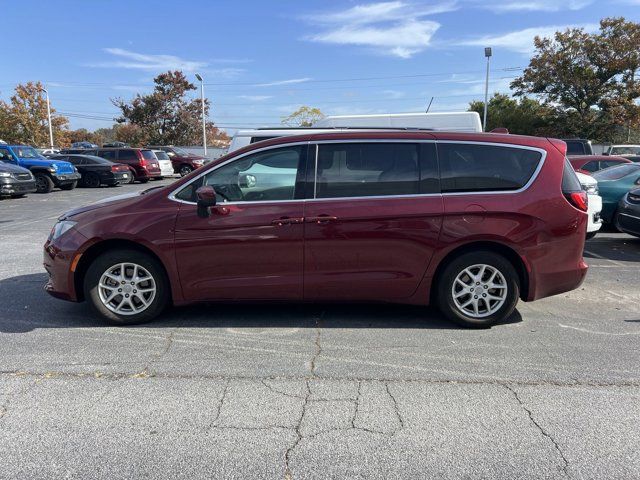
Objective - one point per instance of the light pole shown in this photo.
(204, 121)
(49, 117)
(487, 53)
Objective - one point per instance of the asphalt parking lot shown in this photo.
(315, 391)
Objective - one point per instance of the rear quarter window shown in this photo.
(148, 155)
(479, 168)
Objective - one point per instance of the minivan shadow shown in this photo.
(26, 307)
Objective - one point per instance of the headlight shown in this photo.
(60, 229)
(591, 189)
(53, 167)
(5, 174)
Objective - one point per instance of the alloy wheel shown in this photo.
(127, 288)
(479, 290)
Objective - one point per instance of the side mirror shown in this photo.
(206, 196)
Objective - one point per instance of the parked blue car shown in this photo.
(48, 173)
(613, 184)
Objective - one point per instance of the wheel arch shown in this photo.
(500, 248)
(97, 249)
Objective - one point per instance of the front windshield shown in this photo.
(615, 173)
(626, 150)
(27, 152)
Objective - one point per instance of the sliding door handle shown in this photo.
(321, 219)
(286, 221)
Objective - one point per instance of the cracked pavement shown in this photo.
(315, 391)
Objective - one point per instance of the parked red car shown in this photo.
(592, 163)
(471, 222)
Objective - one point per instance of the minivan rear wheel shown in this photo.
(126, 287)
(478, 289)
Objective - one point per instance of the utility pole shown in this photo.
(49, 117)
(487, 53)
(204, 120)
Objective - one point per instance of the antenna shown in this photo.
(429, 106)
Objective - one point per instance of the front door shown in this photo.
(251, 246)
(374, 221)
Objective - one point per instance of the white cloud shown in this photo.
(141, 61)
(255, 98)
(536, 5)
(521, 41)
(393, 94)
(393, 28)
(290, 81)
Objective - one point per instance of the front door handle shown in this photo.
(321, 219)
(286, 221)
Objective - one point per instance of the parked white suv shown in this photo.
(590, 185)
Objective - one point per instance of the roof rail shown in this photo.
(334, 127)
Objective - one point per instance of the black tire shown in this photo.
(185, 170)
(18, 195)
(69, 186)
(91, 180)
(44, 184)
(132, 176)
(591, 235)
(446, 281)
(144, 180)
(108, 259)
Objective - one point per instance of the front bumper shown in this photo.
(17, 187)
(64, 178)
(628, 217)
(60, 260)
(595, 209)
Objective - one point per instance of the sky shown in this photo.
(262, 59)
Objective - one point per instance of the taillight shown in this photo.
(578, 200)
(114, 168)
(572, 189)
(143, 162)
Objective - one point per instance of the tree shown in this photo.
(523, 117)
(303, 117)
(165, 116)
(589, 79)
(24, 119)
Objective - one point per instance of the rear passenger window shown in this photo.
(107, 154)
(477, 168)
(367, 169)
(127, 155)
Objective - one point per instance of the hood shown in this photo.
(105, 202)
(586, 179)
(7, 167)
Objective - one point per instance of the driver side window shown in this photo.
(265, 176)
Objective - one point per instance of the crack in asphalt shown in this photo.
(223, 397)
(97, 375)
(565, 467)
(318, 350)
(395, 405)
(145, 372)
(280, 392)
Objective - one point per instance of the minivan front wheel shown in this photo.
(478, 289)
(126, 287)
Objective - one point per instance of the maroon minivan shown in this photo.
(470, 222)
